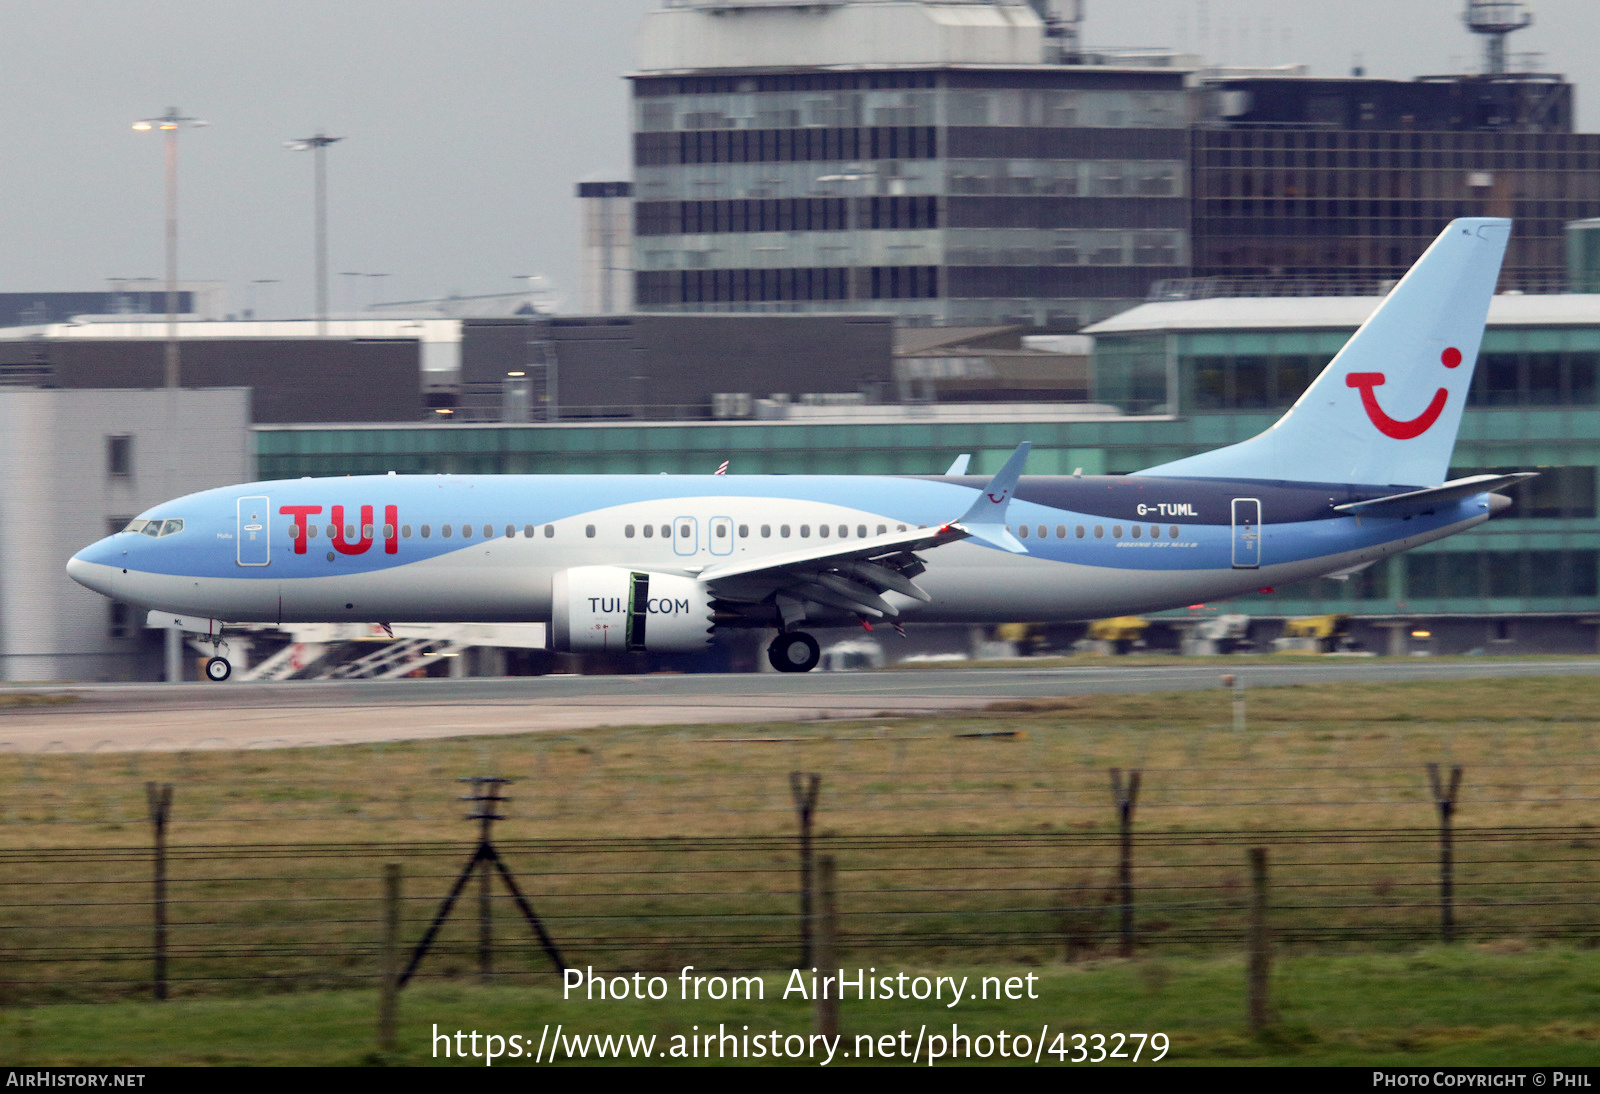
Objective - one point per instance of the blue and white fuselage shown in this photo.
(1094, 546)
(1354, 472)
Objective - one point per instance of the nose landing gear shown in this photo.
(794, 651)
(218, 669)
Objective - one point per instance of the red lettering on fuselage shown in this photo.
(342, 543)
(300, 513)
(363, 541)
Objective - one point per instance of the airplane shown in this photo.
(1354, 471)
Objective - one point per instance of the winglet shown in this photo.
(985, 519)
(959, 467)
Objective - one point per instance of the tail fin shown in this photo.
(1387, 408)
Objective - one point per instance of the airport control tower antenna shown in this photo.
(1494, 19)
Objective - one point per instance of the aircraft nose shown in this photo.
(97, 576)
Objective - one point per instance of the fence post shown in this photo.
(1125, 795)
(1231, 682)
(826, 1015)
(1260, 939)
(804, 790)
(1445, 798)
(159, 801)
(389, 962)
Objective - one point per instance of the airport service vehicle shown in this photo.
(1355, 471)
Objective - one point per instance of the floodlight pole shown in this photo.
(169, 124)
(318, 145)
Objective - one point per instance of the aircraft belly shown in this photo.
(436, 590)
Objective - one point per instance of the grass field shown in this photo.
(1433, 1007)
(1314, 758)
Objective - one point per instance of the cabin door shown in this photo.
(254, 531)
(1246, 533)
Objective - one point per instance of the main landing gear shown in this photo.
(794, 651)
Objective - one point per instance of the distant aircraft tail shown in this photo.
(1387, 408)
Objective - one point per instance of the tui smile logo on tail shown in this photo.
(1365, 382)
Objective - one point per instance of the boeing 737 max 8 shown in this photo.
(1352, 473)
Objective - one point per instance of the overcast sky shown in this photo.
(467, 125)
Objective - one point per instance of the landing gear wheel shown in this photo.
(218, 669)
(794, 651)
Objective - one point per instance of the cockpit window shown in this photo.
(154, 528)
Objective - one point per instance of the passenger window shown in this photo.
(333, 532)
(844, 531)
(627, 531)
(488, 531)
(311, 531)
(294, 531)
(1099, 531)
(666, 531)
(588, 530)
(883, 529)
(822, 530)
(685, 531)
(445, 530)
(366, 531)
(1138, 531)
(511, 532)
(1044, 533)
(805, 531)
(527, 531)
(549, 531)
(1079, 531)
(1172, 533)
(466, 531)
(1155, 531)
(1022, 530)
(783, 531)
(405, 531)
(1116, 531)
(722, 531)
(427, 530)
(649, 531)
(861, 531)
(766, 531)
(744, 531)
(388, 531)
(900, 527)
(349, 533)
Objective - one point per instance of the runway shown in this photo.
(162, 717)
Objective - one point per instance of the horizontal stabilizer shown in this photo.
(1420, 501)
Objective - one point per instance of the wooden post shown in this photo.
(1125, 796)
(159, 800)
(389, 961)
(1445, 798)
(804, 790)
(1260, 939)
(826, 1014)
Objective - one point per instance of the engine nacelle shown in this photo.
(618, 610)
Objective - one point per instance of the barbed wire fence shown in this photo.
(95, 923)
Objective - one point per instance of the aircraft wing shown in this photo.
(853, 575)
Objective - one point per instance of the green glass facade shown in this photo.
(1540, 557)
